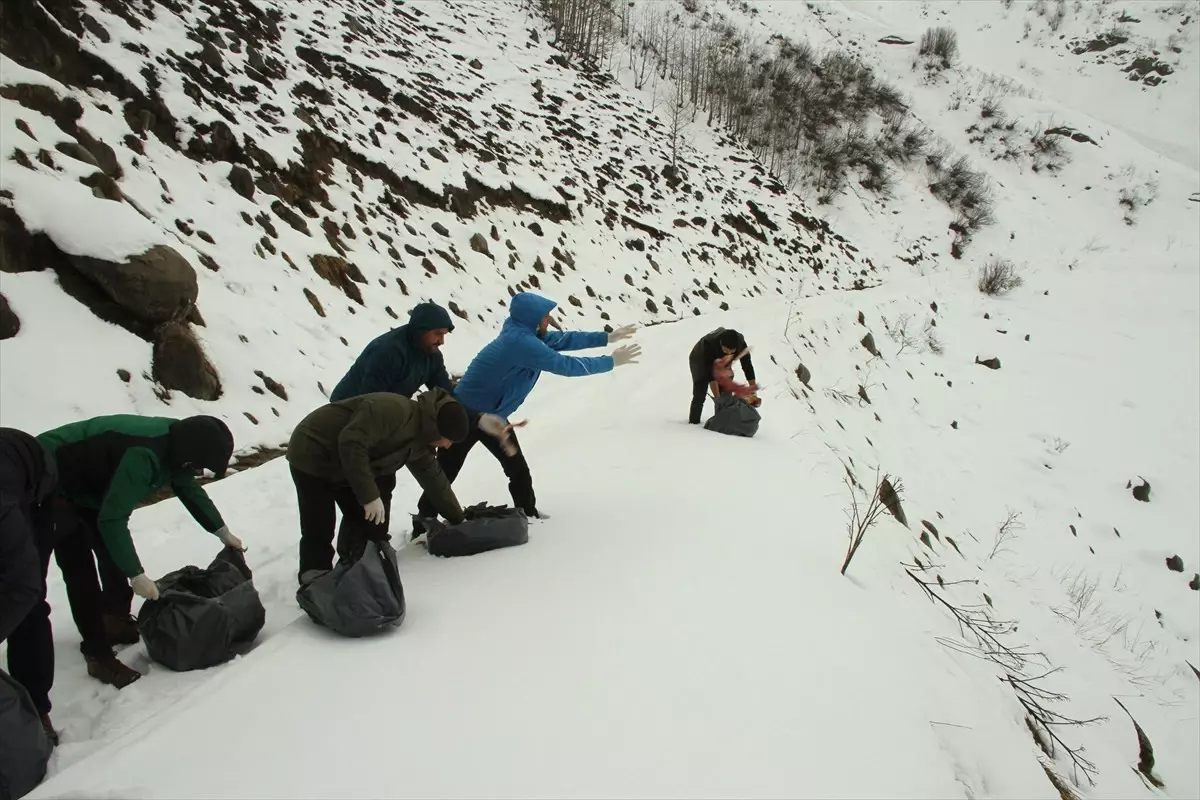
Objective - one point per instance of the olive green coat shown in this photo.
(354, 440)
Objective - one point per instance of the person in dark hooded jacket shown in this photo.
(345, 455)
(107, 466)
(27, 477)
(503, 374)
(402, 360)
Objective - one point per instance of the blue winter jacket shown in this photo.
(504, 372)
(395, 362)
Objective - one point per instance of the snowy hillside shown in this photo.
(680, 626)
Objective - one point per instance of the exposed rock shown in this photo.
(1142, 492)
(340, 273)
(124, 375)
(273, 386)
(10, 323)
(440, 228)
(316, 304)
(456, 311)
(179, 363)
(893, 39)
(990, 363)
(891, 501)
(76, 151)
(804, 374)
(868, 342)
(242, 181)
(1175, 563)
(479, 245)
(156, 286)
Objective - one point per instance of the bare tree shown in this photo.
(862, 520)
(1007, 532)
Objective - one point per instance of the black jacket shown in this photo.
(27, 476)
(708, 350)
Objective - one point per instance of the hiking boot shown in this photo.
(48, 727)
(111, 670)
(121, 630)
(418, 528)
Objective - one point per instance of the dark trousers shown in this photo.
(701, 379)
(96, 587)
(69, 533)
(319, 500)
(516, 469)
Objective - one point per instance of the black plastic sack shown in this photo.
(202, 617)
(486, 528)
(734, 417)
(24, 748)
(357, 598)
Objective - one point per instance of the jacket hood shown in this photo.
(430, 403)
(428, 317)
(528, 309)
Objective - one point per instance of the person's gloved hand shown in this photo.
(143, 586)
(626, 354)
(624, 332)
(230, 540)
(374, 511)
(498, 427)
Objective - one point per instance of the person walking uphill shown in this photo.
(712, 346)
(27, 477)
(402, 360)
(503, 374)
(107, 466)
(346, 454)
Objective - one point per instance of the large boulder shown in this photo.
(10, 323)
(180, 363)
(158, 285)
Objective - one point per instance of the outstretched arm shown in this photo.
(537, 355)
(575, 340)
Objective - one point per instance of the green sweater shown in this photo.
(111, 464)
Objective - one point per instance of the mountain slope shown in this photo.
(679, 626)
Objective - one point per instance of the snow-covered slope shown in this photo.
(433, 151)
(679, 627)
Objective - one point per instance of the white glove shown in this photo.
(230, 540)
(145, 587)
(623, 332)
(374, 511)
(498, 427)
(626, 354)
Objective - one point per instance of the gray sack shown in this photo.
(734, 417)
(359, 597)
(24, 748)
(202, 617)
(485, 528)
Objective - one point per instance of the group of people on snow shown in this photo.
(70, 491)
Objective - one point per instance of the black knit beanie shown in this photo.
(200, 441)
(452, 422)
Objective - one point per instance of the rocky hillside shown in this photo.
(213, 206)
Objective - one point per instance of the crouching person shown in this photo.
(108, 466)
(346, 455)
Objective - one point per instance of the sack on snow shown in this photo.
(359, 597)
(734, 417)
(24, 748)
(486, 528)
(202, 616)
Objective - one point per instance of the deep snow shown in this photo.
(679, 626)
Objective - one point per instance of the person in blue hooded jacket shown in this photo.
(402, 360)
(503, 374)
